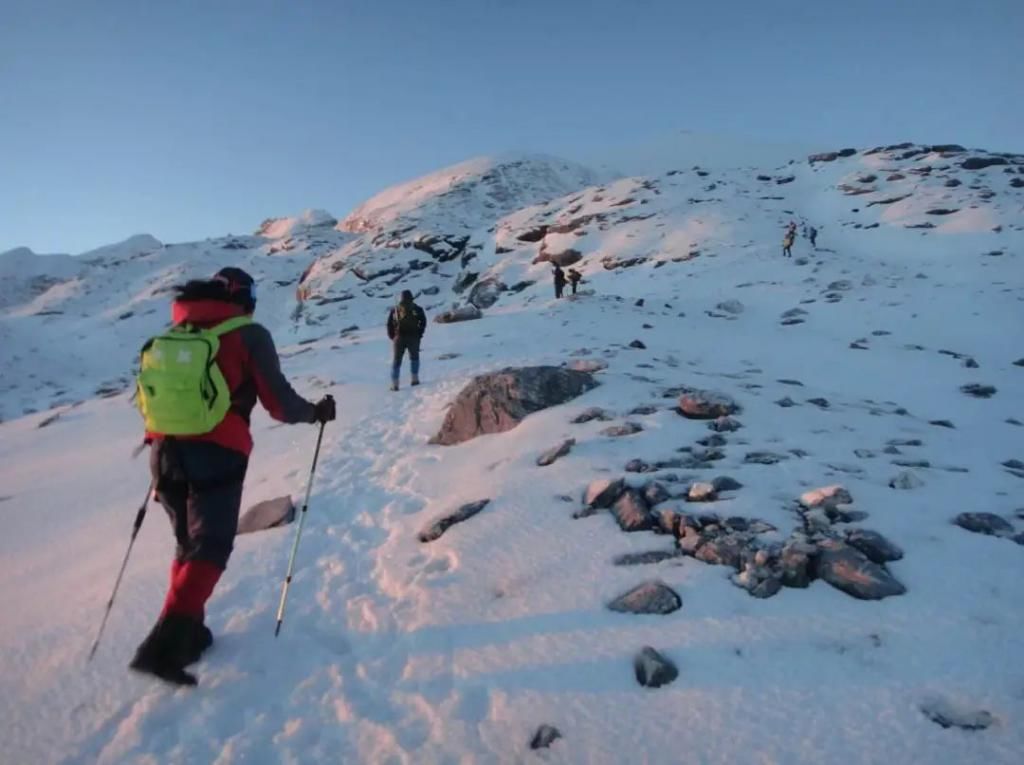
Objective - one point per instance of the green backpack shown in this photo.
(180, 389)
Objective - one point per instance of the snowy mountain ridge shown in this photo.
(885, 362)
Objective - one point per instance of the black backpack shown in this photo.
(406, 319)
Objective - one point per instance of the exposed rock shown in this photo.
(835, 494)
(652, 669)
(498, 401)
(764, 458)
(701, 492)
(638, 344)
(631, 512)
(849, 570)
(655, 493)
(725, 483)
(556, 452)
(533, 235)
(639, 466)
(706, 405)
(876, 547)
(948, 715)
(462, 313)
(821, 403)
(713, 440)
(564, 259)
(980, 163)
(439, 526)
(906, 480)
(734, 307)
(786, 402)
(941, 211)
(725, 425)
(725, 550)
(545, 736)
(603, 492)
(984, 523)
(463, 281)
(825, 156)
(268, 514)
(593, 413)
(643, 410)
(486, 292)
(978, 390)
(625, 429)
(652, 597)
(588, 365)
(796, 563)
(645, 558)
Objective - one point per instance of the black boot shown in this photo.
(165, 651)
(201, 640)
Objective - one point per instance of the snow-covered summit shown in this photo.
(465, 194)
(279, 228)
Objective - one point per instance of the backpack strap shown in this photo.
(230, 325)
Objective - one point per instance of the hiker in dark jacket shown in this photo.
(406, 324)
(559, 276)
(812, 234)
(574, 279)
(198, 479)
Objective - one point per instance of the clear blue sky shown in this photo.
(188, 118)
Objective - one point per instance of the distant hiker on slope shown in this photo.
(812, 234)
(574, 279)
(196, 390)
(559, 276)
(406, 324)
(787, 242)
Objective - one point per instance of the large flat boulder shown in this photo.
(498, 401)
(267, 514)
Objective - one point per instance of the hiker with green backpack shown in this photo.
(406, 324)
(197, 387)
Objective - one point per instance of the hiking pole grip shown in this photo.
(139, 517)
(286, 585)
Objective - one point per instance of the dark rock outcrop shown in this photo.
(652, 669)
(705, 405)
(876, 547)
(849, 570)
(498, 401)
(980, 163)
(984, 523)
(486, 292)
(462, 313)
(631, 512)
(439, 526)
(545, 736)
(556, 452)
(652, 597)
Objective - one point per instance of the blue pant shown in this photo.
(401, 344)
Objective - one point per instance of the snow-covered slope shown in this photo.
(479, 189)
(850, 364)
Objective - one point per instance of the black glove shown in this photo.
(324, 409)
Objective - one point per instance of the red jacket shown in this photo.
(248, 360)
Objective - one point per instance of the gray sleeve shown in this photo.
(274, 391)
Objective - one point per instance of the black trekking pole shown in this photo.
(298, 535)
(139, 516)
